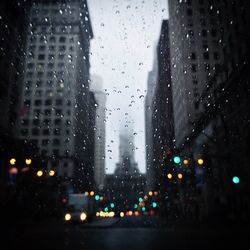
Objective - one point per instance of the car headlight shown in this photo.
(83, 216)
(67, 217)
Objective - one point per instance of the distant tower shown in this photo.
(127, 164)
(100, 128)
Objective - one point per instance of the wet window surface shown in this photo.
(124, 124)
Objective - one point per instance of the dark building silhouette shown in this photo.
(162, 115)
(148, 105)
(56, 104)
(125, 186)
(219, 130)
(13, 28)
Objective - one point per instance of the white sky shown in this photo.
(122, 52)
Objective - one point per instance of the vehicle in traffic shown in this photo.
(79, 208)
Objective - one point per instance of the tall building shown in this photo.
(99, 162)
(55, 87)
(12, 28)
(162, 115)
(210, 61)
(196, 51)
(149, 100)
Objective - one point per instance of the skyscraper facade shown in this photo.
(55, 81)
(100, 125)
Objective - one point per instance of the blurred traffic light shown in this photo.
(135, 206)
(180, 176)
(52, 173)
(200, 161)
(28, 161)
(112, 205)
(97, 197)
(177, 159)
(140, 199)
(169, 176)
(154, 204)
(185, 162)
(13, 170)
(39, 173)
(236, 180)
(12, 161)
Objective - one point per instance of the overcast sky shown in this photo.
(122, 52)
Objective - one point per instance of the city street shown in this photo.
(129, 233)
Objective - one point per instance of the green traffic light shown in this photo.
(140, 199)
(135, 206)
(154, 204)
(177, 159)
(112, 205)
(143, 209)
(236, 180)
(106, 209)
(97, 197)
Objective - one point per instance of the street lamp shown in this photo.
(200, 161)
(52, 173)
(169, 176)
(180, 176)
(12, 161)
(28, 161)
(39, 173)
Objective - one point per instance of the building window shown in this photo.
(48, 102)
(24, 131)
(38, 102)
(36, 122)
(214, 32)
(46, 132)
(59, 102)
(193, 56)
(46, 122)
(52, 39)
(30, 65)
(38, 93)
(216, 56)
(203, 22)
(47, 111)
(58, 112)
(194, 67)
(202, 11)
(56, 142)
(206, 55)
(57, 121)
(25, 122)
(42, 48)
(57, 131)
(62, 39)
(189, 12)
(45, 142)
(204, 33)
(35, 131)
(207, 66)
(62, 48)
